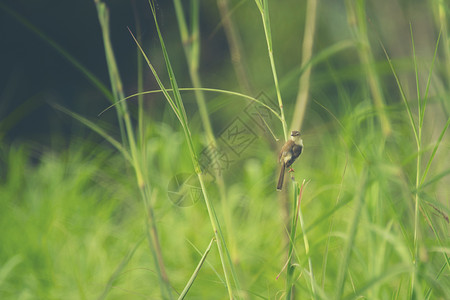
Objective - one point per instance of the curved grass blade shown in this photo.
(95, 128)
(194, 89)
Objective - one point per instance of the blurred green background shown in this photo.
(84, 218)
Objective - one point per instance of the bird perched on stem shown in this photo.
(288, 154)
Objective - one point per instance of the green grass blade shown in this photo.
(440, 242)
(289, 289)
(351, 235)
(114, 75)
(438, 142)
(416, 72)
(7, 267)
(304, 83)
(343, 128)
(184, 123)
(402, 93)
(226, 92)
(128, 135)
(118, 271)
(357, 18)
(331, 225)
(306, 243)
(433, 179)
(427, 88)
(416, 239)
(263, 7)
(196, 271)
(430, 290)
(96, 129)
(173, 81)
(391, 273)
(191, 47)
(158, 80)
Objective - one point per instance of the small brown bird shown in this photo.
(288, 154)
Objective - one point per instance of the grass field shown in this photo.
(170, 192)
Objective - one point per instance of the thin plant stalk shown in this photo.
(118, 271)
(304, 81)
(418, 164)
(263, 6)
(421, 112)
(191, 44)
(330, 228)
(178, 107)
(357, 19)
(141, 111)
(296, 218)
(417, 130)
(196, 272)
(234, 41)
(140, 85)
(142, 182)
(351, 235)
(305, 241)
(114, 76)
(191, 47)
(416, 197)
(292, 237)
(442, 12)
(190, 40)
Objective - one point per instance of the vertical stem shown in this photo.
(421, 113)
(264, 10)
(297, 216)
(416, 221)
(305, 241)
(419, 148)
(357, 19)
(178, 107)
(308, 42)
(137, 162)
(235, 43)
(155, 246)
(443, 17)
(191, 46)
(218, 237)
(140, 82)
(352, 230)
(290, 267)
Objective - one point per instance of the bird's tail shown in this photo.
(281, 178)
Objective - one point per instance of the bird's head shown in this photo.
(296, 138)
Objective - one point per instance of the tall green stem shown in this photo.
(303, 87)
(263, 7)
(142, 182)
(190, 38)
(356, 14)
